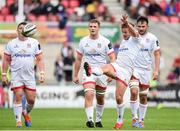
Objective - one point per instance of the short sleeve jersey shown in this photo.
(127, 53)
(95, 51)
(148, 45)
(22, 58)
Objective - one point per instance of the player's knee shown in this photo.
(31, 101)
(119, 99)
(143, 99)
(134, 92)
(18, 98)
(100, 99)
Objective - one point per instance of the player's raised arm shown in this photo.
(132, 30)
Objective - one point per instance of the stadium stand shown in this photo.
(35, 9)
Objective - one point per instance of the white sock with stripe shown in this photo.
(17, 111)
(120, 113)
(134, 109)
(99, 112)
(89, 113)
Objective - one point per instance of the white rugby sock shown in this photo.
(99, 112)
(134, 109)
(142, 111)
(89, 113)
(97, 71)
(17, 111)
(29, 107)
(120, 113)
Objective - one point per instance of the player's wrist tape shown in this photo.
(42, 72)
(4, 74)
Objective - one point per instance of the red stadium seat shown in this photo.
(52, 18)
(174, 19)
(31, 17)
(154, 18)
(4, 11)
(164, 19)
(9, 2)
(163, 4)
(9, 18)
(42, 18)
(70, 11)
(73, 3)
(65, 3)
(1, 18)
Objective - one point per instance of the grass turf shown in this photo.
(74, 119)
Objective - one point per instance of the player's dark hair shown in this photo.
(126, 26)
(142, 19)
(22, 23)
(95, 21)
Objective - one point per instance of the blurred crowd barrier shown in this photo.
(73, 97)
(49, 32)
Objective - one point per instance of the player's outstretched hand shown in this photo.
(76, 80)
(155, 75)
(42, 77)
(124, 19)
(109, 79)
(4, 81)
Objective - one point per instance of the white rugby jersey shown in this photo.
(95, 51)
(127, 53)
(22, 58)
(148, 44)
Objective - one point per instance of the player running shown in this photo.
(94, 48)
(149, 47)
(20, 54)
(122, 68)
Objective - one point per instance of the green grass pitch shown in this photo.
(74, 119)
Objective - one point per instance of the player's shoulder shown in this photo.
(13, 41)
(151, 35)
(104, 39)
(33, 41)
(84, 39)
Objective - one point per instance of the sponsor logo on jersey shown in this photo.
(147, 40)
(87, 45)
(16, 46)
(98, 45)
(95, 54)
(22, 53)
(28, 45)
(144, 49)
(123, 49)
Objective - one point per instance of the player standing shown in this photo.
(20, 54)
(149, 47)
(94, 48)
(122, 68)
